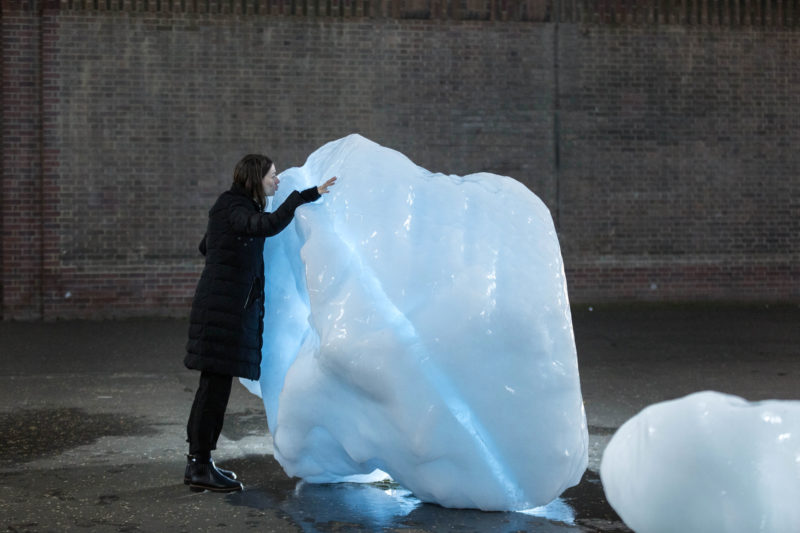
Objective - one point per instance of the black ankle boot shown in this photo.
(205, 476)
(187, 474)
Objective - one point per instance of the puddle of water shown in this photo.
(31, 434)
(557, 510)
(387, 506)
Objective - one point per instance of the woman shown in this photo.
(226, 321)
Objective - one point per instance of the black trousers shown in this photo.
(208, 412)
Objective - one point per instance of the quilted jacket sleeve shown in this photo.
(243, 220)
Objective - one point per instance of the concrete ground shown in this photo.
(92, 418)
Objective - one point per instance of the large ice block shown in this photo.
(418, 324)
(708, 462)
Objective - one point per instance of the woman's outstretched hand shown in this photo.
(323, 189)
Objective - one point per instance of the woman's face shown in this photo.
(270, 182)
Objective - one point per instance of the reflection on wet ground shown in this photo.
(388, 506)
(31, 434)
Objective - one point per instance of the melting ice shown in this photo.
(707, 462)
(417, 325)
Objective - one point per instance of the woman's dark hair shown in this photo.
(249, 172)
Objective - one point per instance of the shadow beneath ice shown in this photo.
(386, 506)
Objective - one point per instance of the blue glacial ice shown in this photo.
(707, 462)
(418, 325)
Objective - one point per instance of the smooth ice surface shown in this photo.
(708, 462)
(418, 324)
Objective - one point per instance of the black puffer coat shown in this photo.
(226, 323)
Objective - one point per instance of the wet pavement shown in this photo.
(92, 418)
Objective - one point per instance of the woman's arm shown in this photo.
(243, 220)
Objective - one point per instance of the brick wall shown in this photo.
(21, 215)
(679, 175)
(664, 151)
